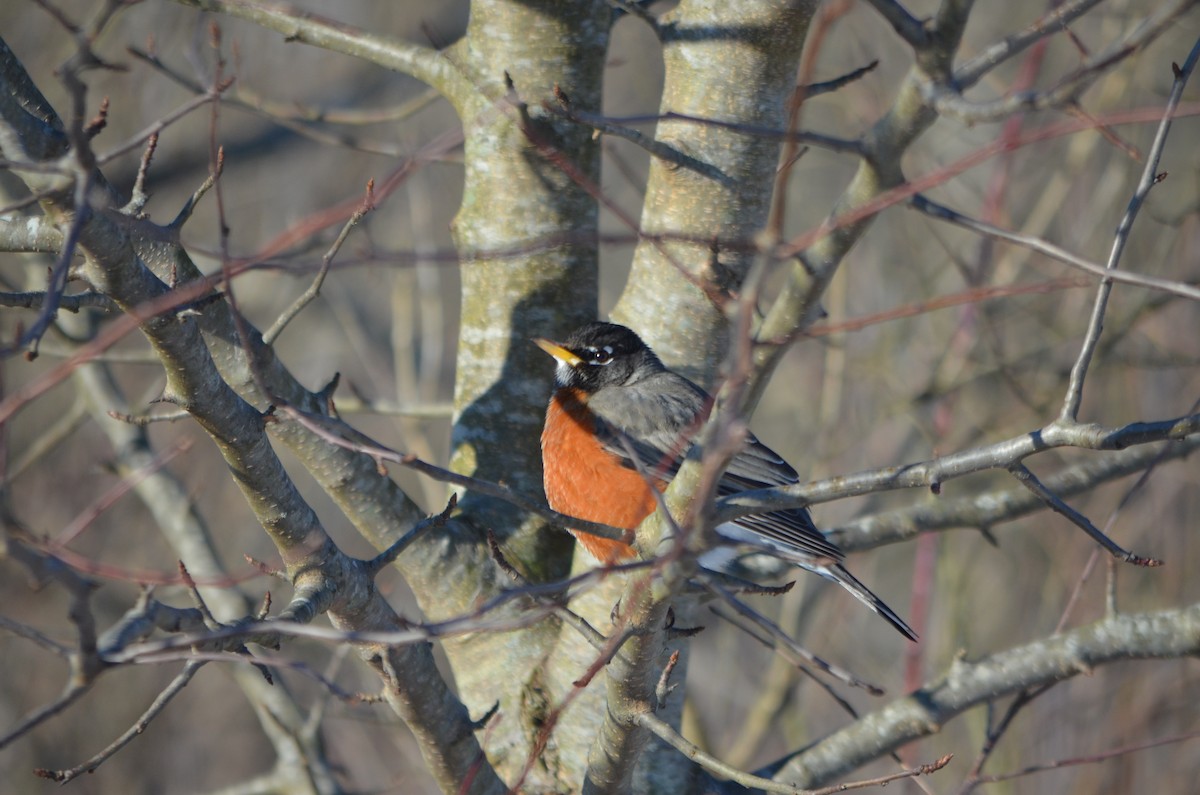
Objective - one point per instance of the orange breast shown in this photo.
(583, 479)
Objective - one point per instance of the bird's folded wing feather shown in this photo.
(660, 453)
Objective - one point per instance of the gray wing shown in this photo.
(657, 424)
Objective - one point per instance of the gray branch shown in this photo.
(1167, 634)
(413, 686)
(993, 507)
(424, 63)
(935, 472)
(1150, 178)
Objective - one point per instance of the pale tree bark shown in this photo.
(732, 64)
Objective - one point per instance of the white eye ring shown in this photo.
(600, 356)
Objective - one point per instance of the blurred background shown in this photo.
(891, 392)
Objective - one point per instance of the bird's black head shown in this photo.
(599, 355)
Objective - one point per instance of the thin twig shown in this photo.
(1089, 566)
(880, 201)
(73, 693)
(142, 420)
(138, 196)
(189, 206)
(656, 148)
(715, 766)
(145, 357)
(32, 635)
(268, 632)
(943, 213)
(994, 733)
(788, 648)
(71, 303)
(1090, 759)
(907, 27)
(1055, 21)
(1150, 177)
(159, 704)
(211, 622)
(47, 439)
(818, 31)
(709, 762)
(1077, 590)
(422, 411)
(314, 289)
(389, 555)
(934, 472)
(57, 281)
(827, 86)
(88, 515)
(1030, 481)
(143, 136)
(553, 601)
(988, 508)
(301, 119)
(424, 63)
(664, 687)
(883, 781)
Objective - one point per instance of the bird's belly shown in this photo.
(584, 480)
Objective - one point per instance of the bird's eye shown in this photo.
(599, 355)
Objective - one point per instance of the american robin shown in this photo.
(614, 396)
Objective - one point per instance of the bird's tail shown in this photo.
(862, 593)
(723, 558)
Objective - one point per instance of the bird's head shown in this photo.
(600, 355)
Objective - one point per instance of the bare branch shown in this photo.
(423, 63)
(177, 684)
(1055, 20)
(943, 213)
(581, 624)
(730, 773)
(937, 471)
(1090, 759)
(342, 435)
(301, 119)
(784, 645)
(32, 233)
(656, 148)
(138, 196)
(828, 86)
(1164, 634)
(421, 411)
(71, 303)
(72, 693)
(31, 634)
(995, 732)
(1150, 178)
(710, 763)
(317, 567)
(388, 556)
(1027, 479)
(908, 27)
(993, 507)
(946, 98)
(314, 289)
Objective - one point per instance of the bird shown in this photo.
(615, 400)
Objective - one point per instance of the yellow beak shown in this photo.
(557, 351)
